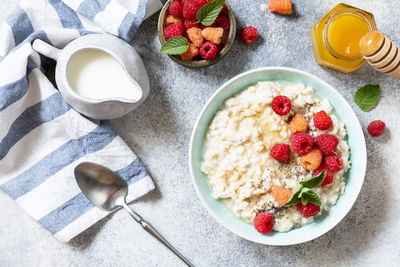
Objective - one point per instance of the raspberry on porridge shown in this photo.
(244, 172)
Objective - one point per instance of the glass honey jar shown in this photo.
(336, 37)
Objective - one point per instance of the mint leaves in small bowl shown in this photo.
(212, 18)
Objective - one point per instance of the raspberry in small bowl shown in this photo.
(208, 44)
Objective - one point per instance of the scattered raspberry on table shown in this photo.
(376, 128)
(249, 35)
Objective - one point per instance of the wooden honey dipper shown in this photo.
(381, 53)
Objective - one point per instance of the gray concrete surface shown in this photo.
(159, 133)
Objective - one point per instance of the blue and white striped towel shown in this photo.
(42, 138)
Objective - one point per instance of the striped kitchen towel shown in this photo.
(42, 137)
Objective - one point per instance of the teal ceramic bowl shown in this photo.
(354, 179)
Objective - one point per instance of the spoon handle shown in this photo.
(151, 230)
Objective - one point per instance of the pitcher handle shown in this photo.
(46, 49)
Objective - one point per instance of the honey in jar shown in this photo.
(336, 37)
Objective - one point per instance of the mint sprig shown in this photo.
(175, 46)
(315, 181)
(367, 96)
(208, 13)
(304, 193)
(310, 197)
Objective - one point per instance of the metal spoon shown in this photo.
(108, 191)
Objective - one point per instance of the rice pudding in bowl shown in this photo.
(244, 167)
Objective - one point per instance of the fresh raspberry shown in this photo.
(208, 50)
(308, 210)
(202, 2)
(190, 53)
(249, 35)
(213, 35)
(223, 22)
(211, 26)
(312, 160)
(173, 30)
(298, 124)
(171, 20)
(283, 7)
(190, 9)
(328, 177)
(185, 35)
(334, 163)
(376, 128)
(302, 143)
(281, 194)
(191, 23)
(263, 222)
(280, 152)
(327, 143)
(176, 9)
(195, 36)
(322, 121)
(281, 105)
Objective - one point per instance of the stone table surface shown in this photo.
(159, 132)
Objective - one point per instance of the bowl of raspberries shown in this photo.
(196, 33)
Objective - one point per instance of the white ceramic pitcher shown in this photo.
(125, 54)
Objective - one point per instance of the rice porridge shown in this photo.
(237, 153)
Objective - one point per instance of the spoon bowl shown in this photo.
(101, 186)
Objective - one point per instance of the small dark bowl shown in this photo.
(199, 63)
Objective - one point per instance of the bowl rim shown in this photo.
(213, 213)
(199, 63)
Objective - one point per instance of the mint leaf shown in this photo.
(367, 96)
(315, 181)
(208, 13)
(175, 46)
(294, 199)
(303, 190)
(310, 197)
